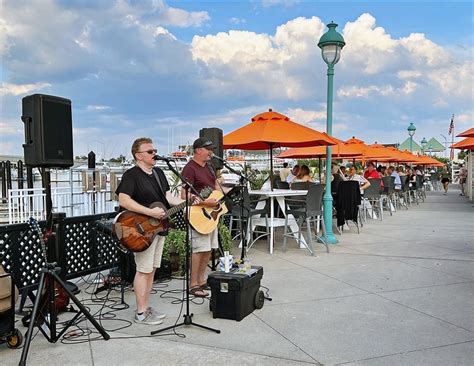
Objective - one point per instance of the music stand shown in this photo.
(243, 233)
(188, 317)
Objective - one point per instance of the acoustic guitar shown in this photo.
(137, 231)
(205, 219)
(61, 298)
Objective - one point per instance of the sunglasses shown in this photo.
(152, 151)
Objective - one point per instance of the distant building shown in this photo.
(436, 146)
(405, 145)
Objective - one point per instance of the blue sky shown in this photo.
(166, 69)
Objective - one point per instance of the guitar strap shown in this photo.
(159, 182)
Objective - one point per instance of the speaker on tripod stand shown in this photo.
(48, 144)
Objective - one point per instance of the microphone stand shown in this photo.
(188, 317)
(243, 233)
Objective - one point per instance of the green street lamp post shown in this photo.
(411, 131)
(331, 44)
(423, 144)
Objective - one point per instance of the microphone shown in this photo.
(162, 158)
(218, 158)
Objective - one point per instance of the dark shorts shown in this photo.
(462, 180)
(445, 180)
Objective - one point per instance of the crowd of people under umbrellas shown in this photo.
(400, 173)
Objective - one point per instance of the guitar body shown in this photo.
(205, 219)
(136, 231)
(61, 298)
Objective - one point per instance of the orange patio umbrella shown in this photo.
(427, 160)
(338, 151)
(367, 152)
(353, 140)
(467, 144)
(271, 129)
(467, 133)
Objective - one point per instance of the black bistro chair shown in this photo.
(309, 214)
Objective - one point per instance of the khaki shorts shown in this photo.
(150, 258)
(204, 242)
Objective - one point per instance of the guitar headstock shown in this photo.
(34, 226)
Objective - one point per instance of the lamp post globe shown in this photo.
(411, 131)
(430, 149)
(423, 144)
(331, 44)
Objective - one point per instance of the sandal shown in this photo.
(198, 291)
(205, 286)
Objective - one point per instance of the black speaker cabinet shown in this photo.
(48, 131)
(215, 135)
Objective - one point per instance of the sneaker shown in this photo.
(156, 313)
(147, 318)
(445, 193)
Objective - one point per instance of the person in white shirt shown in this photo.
(391, 172)
(293, 174)
(363, 182)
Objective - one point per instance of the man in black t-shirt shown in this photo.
(138, 189)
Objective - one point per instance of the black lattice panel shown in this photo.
(78, 247)
(107, 253)
(82, 249)
(178, 221)
(21, 253)
(87, 248)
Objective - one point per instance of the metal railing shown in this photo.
(31, 202)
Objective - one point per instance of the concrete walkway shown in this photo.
(399, 293)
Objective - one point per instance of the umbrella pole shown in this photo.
(271, 166)
(319, 168)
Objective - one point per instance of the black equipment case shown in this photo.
(235, 295)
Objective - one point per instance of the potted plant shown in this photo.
(174, 249)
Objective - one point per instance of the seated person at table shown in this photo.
(336, 178)
(303, 175)
(411, 173)
(343, 171)
(392, 173)
(364, 183)
(293, 174)
(371, 173)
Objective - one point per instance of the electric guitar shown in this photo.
(61, 298)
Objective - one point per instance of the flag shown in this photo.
(451, 126)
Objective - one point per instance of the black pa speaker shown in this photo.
(48, 131)
(215, 135)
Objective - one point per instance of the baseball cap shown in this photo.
(203, 142)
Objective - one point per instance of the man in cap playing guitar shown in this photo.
(201, 175)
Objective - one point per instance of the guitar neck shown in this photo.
(35, 226)
(173, 210)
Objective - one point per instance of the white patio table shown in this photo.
(278, 195)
